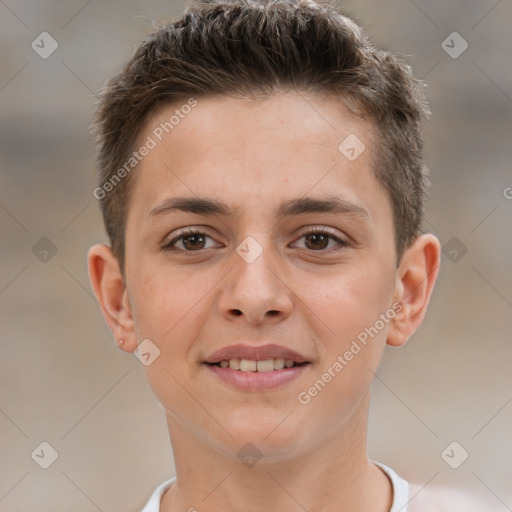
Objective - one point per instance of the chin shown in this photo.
(268, 434)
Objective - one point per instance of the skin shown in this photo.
(252, 155)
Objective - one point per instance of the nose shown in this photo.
(255, 291)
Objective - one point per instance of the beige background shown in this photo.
(63, 381)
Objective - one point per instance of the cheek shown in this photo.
(165, 311)
(171, 306)
(351, 301)
(163, 300)
(351, 306)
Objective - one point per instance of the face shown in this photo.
(284, 241)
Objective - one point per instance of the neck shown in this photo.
(332, 475)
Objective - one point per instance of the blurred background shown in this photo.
(64, 382)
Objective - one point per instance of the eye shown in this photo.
(318, 240)
(194, 240)
(188, 240)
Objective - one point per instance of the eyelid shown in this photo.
(320, 229)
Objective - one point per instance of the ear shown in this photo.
(415, 280)
(108, 284)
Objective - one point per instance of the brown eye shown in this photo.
(189, 240)
(317, 241)
(193, 242)
(321, 240)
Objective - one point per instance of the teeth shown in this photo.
(265, 366)
(248, 365)
(279, 364)
(234, 364)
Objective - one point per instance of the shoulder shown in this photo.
(447, 499)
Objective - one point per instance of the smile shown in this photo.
(249, 365)
(251, 375)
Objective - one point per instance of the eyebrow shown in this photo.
(303, 205)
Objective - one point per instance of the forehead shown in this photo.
(247, 152)
(278, 123)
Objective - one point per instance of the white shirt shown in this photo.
(399, 485)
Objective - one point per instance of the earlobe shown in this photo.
(109, 287)
(415, 281)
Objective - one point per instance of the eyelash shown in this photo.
(342, 244)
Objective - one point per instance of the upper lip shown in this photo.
(255, 353)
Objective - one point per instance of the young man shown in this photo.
(262, 183)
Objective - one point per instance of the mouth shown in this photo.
(256, 367)
(261, 366)
(262, 357)
(249, 375)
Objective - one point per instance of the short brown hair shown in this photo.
(252, 48)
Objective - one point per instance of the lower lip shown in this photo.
(257, 381)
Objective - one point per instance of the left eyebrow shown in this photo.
(329, 204)
(290, 207)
